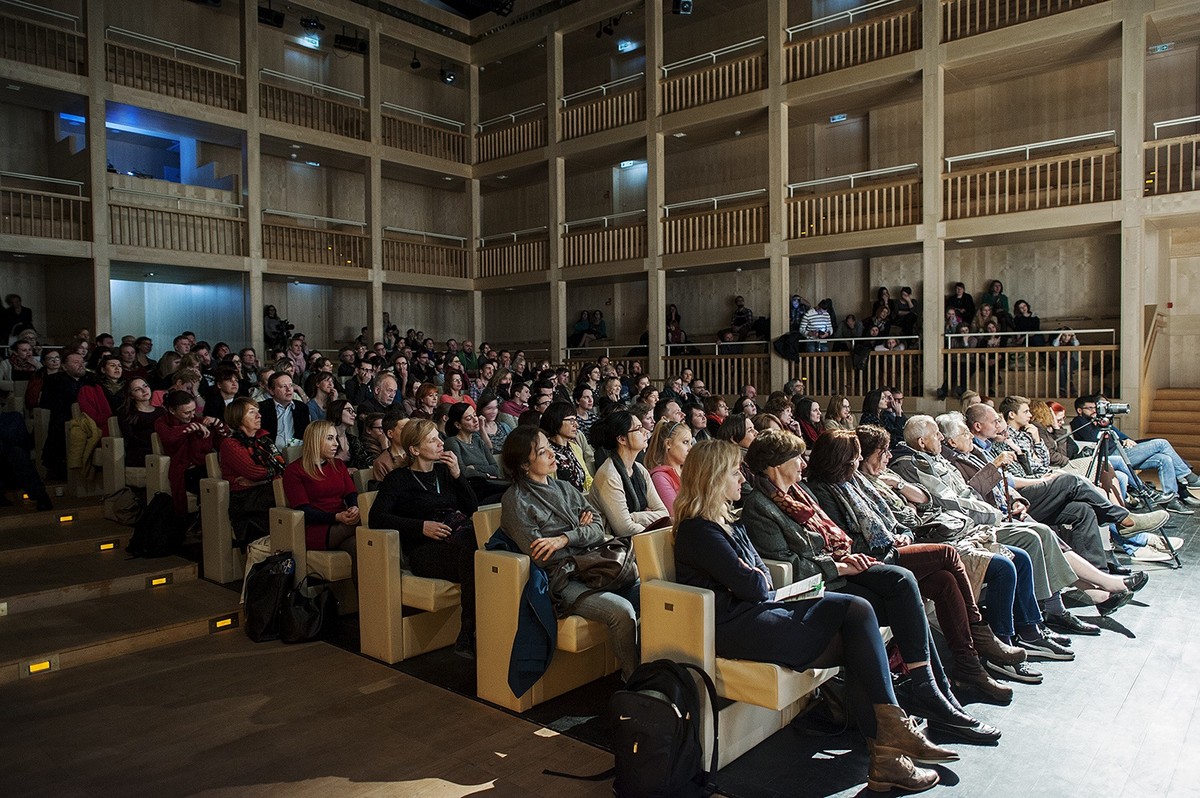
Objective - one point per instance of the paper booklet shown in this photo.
(811, 588)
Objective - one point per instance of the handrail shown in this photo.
(716, 346)
(30, 7)
(602, 88)
(175, 49)
(607, 350)
(594, 219)
(460, 239)
(1156, 324)
(312, 84)
(1026, 335)
(40, 179)
(508, 117)
(141, 193)
(890, 170)
(423, 115)
(311, 218)
(1026, 148)
(915, 338)
(847, 14)
(712, 56)
(514, 234)
(714, 200)
(1186, 120)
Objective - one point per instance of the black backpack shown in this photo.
(158, 532)
(656, 733)
(267, 583)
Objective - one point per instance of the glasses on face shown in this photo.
(571, 420)
(638, 428)
(376, 428)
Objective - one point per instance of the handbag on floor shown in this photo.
(265, 588)
(309, 611)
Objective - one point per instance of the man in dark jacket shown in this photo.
(59, 392)
(283, 416)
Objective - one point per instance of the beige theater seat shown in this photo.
(583, 654)
(287, 534)
(78, 484)
(223, 561)
(158, 474)
(399, 615)
(678, 623)
(113, 471)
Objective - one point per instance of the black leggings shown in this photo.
(452, 562)
(897, 602)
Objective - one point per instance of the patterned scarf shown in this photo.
(797, 505)
(263, 452)
(874, 515)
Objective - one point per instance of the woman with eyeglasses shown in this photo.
(668, 449)
(351, 449)
(561, 426)
(838, 413)
(622, 488)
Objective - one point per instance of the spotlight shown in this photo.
(416, 62)
(607, 28)
(351, 44)
(681, 7)
(448, 75)
(311, 23)
(269, 16)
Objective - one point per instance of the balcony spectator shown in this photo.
(797, 307)
(1023, 321)
(581, 333)
(982, 317)
(1068, 360)
(15, 318)
(850, 327)
(996, 298)
(890, 345)
(817, 325)
(743, 321)
(907, 312)
(962, 302)
(599, 328)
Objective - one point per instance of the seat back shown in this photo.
(156, 444)
(213, 464)
(280, 496)
(487, 521)
(655, 553)
(114, 427)
(365, 502)
(361, 477)
(292, 453)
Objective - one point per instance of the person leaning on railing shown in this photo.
(713, 552)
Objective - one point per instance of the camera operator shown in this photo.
(1094, 413)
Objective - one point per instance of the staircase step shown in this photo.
(1175, 393)
(1172, 404)
(80, 510)
(109, 626)
(53, 540)
(1181, 417)
(1177, 434)
(45, 583)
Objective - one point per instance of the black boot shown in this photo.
(926, 700)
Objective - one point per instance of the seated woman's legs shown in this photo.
(858, 647)
(893, 593)
(1001, 580)
(454, 563)
(343, 537)
(619, 612)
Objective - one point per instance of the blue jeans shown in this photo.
(816, 345)
(1010, 596)
(1158, 454)
(618, 610)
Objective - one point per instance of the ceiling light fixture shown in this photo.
(448, 74)
(416, 62)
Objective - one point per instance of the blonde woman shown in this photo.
(838, 414)
(712, 551)
(319, 485)
(668, 449)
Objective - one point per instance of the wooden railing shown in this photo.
(163, 74)
(162, 228)
(604, 244)
(724, 375)
(603, 113)
(45, 214)
(321, 247)
(1051, 182)
(42, 45)
(860, 43)
(413, 256)
(509, 136)
(431, 140)
(853, 209)
(1171, 165)
(616, 357)
(508, 257)
(829, 373)
(715, 82)
(1049, 372)
(715, 228)
(313, 112)
(962, 18)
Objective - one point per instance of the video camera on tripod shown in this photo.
(1105, 410)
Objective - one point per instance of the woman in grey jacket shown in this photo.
(785, 522)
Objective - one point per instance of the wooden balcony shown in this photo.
(963, 18)
(611, 238)
(165, 73)
(1053, 181)
(1048, 372)
(621, 102)
(59, 211)
(410, 252)
(820, 52)
(724, 374)
(716, 227)
(523, 252)
(830, 373)
(177, 230)
(327, 242)
(425, 135)
(707, 78)
(1171, 165)
(520, 131)
(869, 202)
(40, 45)
(308, 105)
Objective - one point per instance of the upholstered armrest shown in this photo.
(158, 480)
(112, 463)
(678, 623)
(223, 562)
(781, 572)
(380, 594)
(287, 534)
(500, 577)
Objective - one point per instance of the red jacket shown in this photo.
(186, 449)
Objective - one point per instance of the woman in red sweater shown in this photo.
(250, 462)
(319, 485)
(187, 440)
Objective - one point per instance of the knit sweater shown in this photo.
(532, 510)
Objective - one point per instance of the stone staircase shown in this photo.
(70, 595)
(1174, 416)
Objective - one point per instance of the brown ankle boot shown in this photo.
(970, 675)
(896, 733)
(890, 769)
(991, 647)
